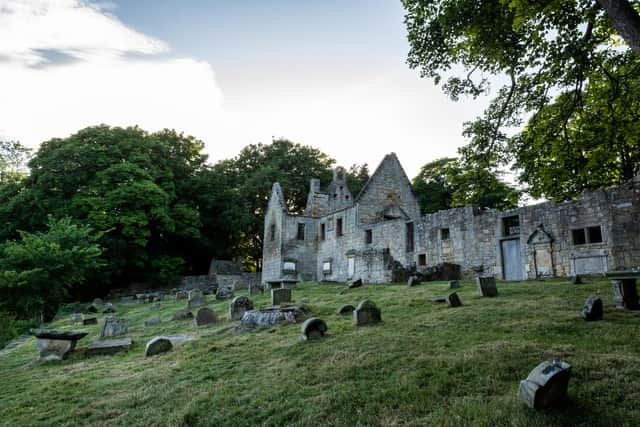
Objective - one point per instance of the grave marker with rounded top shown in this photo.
(238, 306)
(157, 345)
(546, 384)
(205, 316)
(367, 313)
(313, 328)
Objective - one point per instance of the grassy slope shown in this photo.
(427, 364)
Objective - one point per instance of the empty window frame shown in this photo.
(289, 267)
(445, 234)
(272, 232)
(323, 231)
(422, 259)
(511, 225)
(583, 236)
(300, 231)
(339, 227)
(410, 239)
(368, 236)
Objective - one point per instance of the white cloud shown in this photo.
(108, 74)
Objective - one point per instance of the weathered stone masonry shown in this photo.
(340, 237)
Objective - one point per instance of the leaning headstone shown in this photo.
(98, 302)
(239, 306)
(109, 346)
(487, 286)
(205, 316)
(454, 284)
(109, 308)
(280, 295)
(355, 283)
(196, 299)
(183, 314)
(224, 293)
(413, 280)
(592, 309)
(90, 321)
(313, 328)
(182, 295)
(77, 317)
(576, 280)
(114, 326)
(454, 300)
(346, 309)
(157, 345)
(152, 322)
(546, 385)
(367, 313)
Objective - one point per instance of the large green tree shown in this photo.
(542, 50)
(445, 183)
(134, 187)
(38, 270)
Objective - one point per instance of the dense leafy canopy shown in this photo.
(444, 183)
(547, 53)
(38, 270)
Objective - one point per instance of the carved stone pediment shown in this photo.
(539, 236)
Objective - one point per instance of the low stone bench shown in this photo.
(54, 344)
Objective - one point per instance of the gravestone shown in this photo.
(454, 284)
(355, 283)
(313, 329)
(592, 309)
(90, 321)
(98, 302)
(108, 308)
(183, 314)
(367, 313)
(91, 309)
(114, 326)
(239, 306)
(205, 316)
(77, 317)
(278, 296)
(109, 346)
(576, 280)
(439, 299)
(224, 293)
(487, 286)
(454, 300)
(413, 280)
(153, 321)
(182, 295)
(157, 345)
(346, 309)
(196, 299)
(546, 385)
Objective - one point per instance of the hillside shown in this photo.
(426, 364)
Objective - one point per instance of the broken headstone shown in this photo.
(453, 300)
(592, 309)
(157, 345)
(546, 385)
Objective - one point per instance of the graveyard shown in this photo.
(425, 363)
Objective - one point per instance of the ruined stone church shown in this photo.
(340, 237)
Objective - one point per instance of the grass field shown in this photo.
(426, 364)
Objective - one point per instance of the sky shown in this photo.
(326, 73)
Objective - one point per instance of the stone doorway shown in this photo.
(511, 263)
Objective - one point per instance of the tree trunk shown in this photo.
(625, 20)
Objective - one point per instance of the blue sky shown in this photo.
(330, 74)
